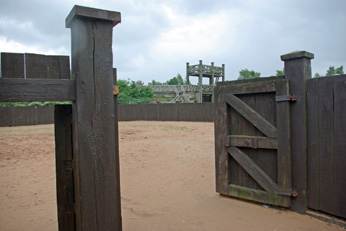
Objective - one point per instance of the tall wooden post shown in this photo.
(298, 70)
(96, 183)
(187, 74)
(200, 82)
(223, 72)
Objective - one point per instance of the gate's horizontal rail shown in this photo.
(17, 90)
(252, 141)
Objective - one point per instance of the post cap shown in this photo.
(92, 13)
(297, 55)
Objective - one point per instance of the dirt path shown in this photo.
(167, 174)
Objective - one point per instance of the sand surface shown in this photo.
(167, 180)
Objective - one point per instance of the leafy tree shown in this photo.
(134, 92)
(154, 82)
(177, 80)
(248, 74)
(317, 75)
(335, 71)
(279, 73)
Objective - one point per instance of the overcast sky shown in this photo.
(156, 38)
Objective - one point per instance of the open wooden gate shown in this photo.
(252, 140)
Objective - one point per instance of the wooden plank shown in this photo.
(64, 167)
(252, 142)
(220, 132)
(284, 164)
(313, 144)
(16, 90)
(262, 85)
(253, 170)
(251, 115)
(97, 185)
(258, 195)
(12, 65)
(338, 185)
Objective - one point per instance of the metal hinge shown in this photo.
(285, 98)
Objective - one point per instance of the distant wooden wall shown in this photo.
(327, 144)
(18, 116)
(167, 112)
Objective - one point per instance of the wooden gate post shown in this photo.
(95, 167)
(298, 70)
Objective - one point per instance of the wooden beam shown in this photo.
(64, 167)
(258, 195)
(97, 185)
(252, 142)
(253, 170)
(251, 115)
(17, 90)
(250, 86)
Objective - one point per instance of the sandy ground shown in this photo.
(167, 174)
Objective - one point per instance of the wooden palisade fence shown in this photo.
(281, 140)
(86, 137)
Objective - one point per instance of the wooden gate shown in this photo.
(252, 134)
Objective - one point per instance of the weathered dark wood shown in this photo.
(261, 85)
(253, 170)
(247, 112)
(252, 142)
(220, 132)
(17, 90)
(284, 163)
(64, 167)
(258, 195)
(298, 70)
(97, 186)
(12, 65)
(38, 66)
(254, 164)
(326, 145)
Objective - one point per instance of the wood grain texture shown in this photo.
(97, 184)
(253, 170)
(252, 142)
(16, 90)
(251, 115)
(221, 131)
(258, 195)
(12, 65)
(326, 146)
(298, 71)
(284, 163)
(64, 167)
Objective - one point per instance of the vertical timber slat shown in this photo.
(96, 183)
(283, 128)
(297, 67)
(64, 167)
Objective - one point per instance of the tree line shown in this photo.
(136, 92)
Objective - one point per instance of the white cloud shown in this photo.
(7, 45)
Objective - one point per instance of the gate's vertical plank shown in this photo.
(298, 70)
(96, 182)
(64, 172)
(283, 128)
(221, 132)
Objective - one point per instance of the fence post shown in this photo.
(297, 68)
(97, 186)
